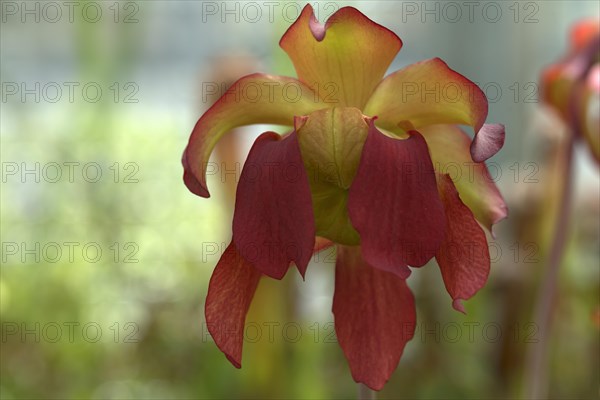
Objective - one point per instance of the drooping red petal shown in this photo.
(464, 257)
(230, 293)
(394, 204)
(253, 99)
(344, 59)
(374, 314)
(273, 223)
(488, 141)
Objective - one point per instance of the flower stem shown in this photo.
(364, 393)
(537, 361)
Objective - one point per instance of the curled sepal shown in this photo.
(464, 257)
(230, 293)
(273, 222)
(394, 203)
(253, 99)
(488, 141)
(375, 317)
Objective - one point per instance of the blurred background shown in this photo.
(106, 256)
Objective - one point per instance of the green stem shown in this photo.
(537, 362)
(364, 393)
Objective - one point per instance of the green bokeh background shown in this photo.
(128, 323)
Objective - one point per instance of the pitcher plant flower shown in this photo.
(365, 168)
(571, 86)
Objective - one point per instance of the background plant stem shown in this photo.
(537, 362)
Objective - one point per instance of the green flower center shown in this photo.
(331, 142)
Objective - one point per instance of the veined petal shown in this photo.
(394, 203)
(464, 257)
(375, 317)
(427, 93)
(331, 142)
(254, 99)
(230, 293)
(273, 222)
(344, 60)
(449, 147)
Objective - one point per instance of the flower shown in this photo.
(572, 86)
(365, 169)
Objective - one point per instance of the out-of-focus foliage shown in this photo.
(129, 323)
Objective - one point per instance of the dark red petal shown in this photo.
(464, 257)
(394, 204)
(230, 292)
(488, 141)
(273, 223)
(374, 317)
